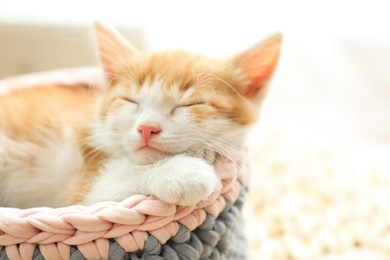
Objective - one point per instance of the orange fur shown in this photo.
(30, 114)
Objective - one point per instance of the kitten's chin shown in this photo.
(149, 155)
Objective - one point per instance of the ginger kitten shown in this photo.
(154, 129)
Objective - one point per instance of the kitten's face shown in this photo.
(173, 102)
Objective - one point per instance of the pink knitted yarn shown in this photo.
(54, 230)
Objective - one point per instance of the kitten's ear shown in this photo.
(113, 49)
(258, 64)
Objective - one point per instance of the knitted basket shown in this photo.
(139, 227)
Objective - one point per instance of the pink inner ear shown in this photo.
(259, 78)
(252, 90)
(259, 64)
(113, 48)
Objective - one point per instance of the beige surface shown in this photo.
(320, 186)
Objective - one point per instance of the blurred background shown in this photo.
(330, 97)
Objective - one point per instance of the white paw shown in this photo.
(184, 181)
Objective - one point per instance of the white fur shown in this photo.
(180, 179)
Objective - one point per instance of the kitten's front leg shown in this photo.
(180, 180)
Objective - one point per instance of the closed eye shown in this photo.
(192, 104)
(129, 100)
(184, 105)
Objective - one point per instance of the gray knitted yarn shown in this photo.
(215, 239)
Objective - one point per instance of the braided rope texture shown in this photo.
(216, 238)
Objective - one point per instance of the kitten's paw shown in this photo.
(184, 181)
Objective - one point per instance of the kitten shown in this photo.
(155, 129)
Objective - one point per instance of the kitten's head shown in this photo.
(160, 104)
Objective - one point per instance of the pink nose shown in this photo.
(148, 131)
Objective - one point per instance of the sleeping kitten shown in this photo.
(155, 129)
